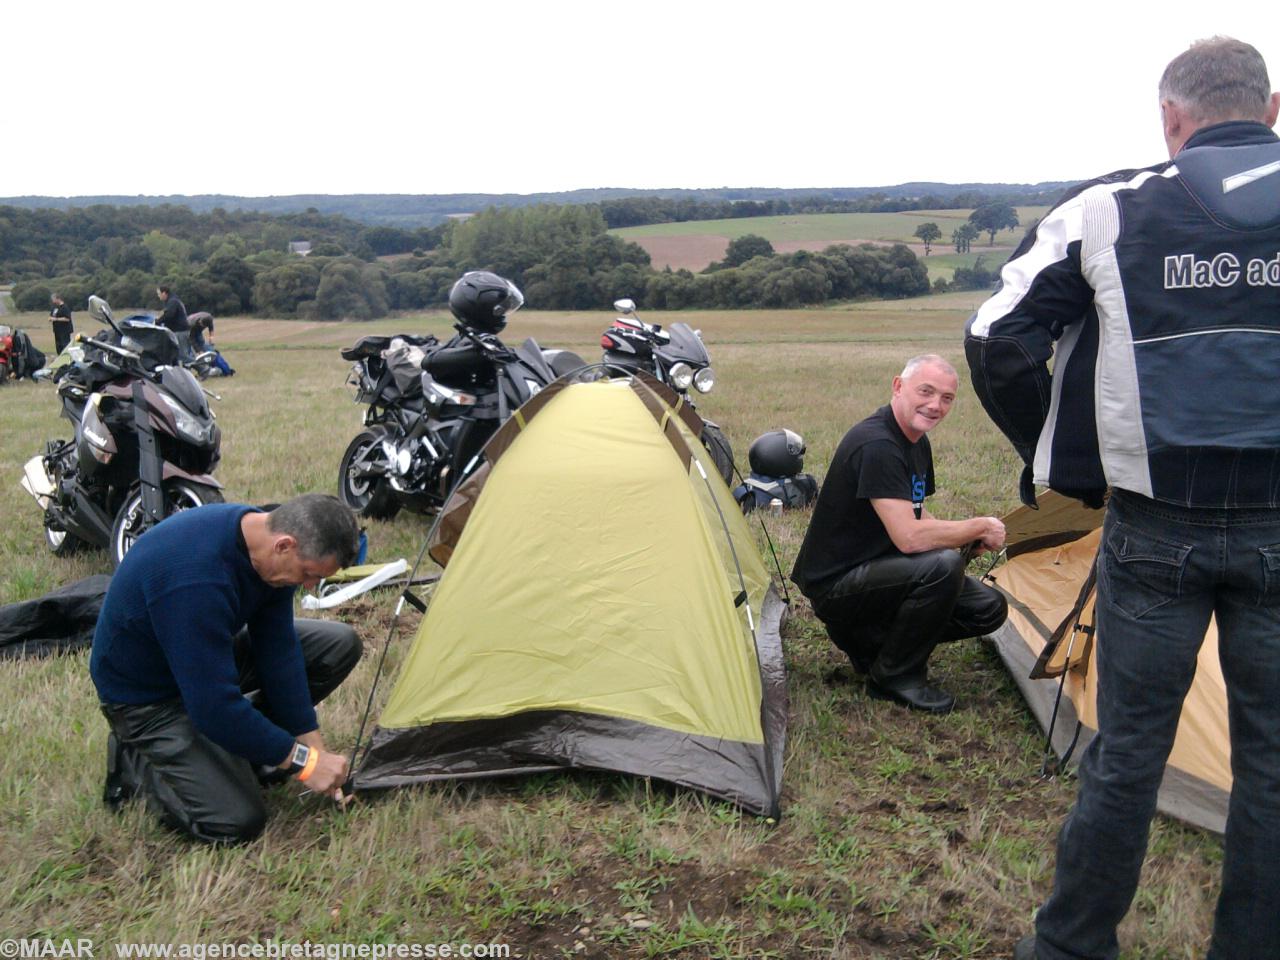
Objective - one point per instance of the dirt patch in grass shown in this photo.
(688, 253)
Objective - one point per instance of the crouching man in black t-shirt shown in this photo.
(884, 576)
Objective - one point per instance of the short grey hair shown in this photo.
(1218, 79)
(915, 363)
(322, 525)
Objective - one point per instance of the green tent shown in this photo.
(604, 607)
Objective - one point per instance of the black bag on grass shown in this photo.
(58, 622)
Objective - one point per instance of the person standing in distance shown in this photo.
(1157, 294)
(174, 316)
(60, 319)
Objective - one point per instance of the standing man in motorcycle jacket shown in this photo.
(60, 319)
(206, 680)
(174, 317)
(884, 576)
(1157, 294)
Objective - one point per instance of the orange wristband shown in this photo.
(313, 757)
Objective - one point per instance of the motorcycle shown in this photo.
(6, 353)
(18, 355)
(431, 408)
(675, 356)
(208, 363)
(144, 445)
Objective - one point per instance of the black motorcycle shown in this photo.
(675, 356)
(432, 406)
(145, 441)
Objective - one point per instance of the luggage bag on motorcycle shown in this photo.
(404, 360)
(759, 491)
(776, 459)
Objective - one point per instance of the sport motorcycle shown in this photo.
(144, 443)
(675, 356)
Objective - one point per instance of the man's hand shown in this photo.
(331, 769)
(992, 536)
(329, 775)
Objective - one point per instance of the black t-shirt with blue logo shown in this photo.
(874, 461)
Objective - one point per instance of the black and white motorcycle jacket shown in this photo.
(1156, 293)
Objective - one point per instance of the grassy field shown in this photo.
(902, 835)
(694, 244)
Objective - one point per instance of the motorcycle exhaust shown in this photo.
(37, 482)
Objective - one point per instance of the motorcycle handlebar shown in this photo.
(112, 348)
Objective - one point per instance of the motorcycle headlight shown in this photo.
(704, 380)
(438, 394)
(680, 375)
(189, 428)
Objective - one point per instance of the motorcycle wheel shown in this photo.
(61, 543)
(180, 495)
(372, 498)
(721, 451)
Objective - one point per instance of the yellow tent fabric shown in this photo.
(1043, 585)
(604, 605)
(580, 616)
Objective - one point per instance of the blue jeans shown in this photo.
(1162, 571)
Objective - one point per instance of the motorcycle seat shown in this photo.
(373, 346)
(366, 347)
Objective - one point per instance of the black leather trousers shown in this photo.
(192, 784)
(889, 613)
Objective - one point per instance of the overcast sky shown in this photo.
(280, 97)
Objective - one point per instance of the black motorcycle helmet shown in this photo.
(484, 300)
(778, 453)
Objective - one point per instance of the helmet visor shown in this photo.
(509, 304)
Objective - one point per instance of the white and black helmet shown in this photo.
(484, 300)
(778, 453)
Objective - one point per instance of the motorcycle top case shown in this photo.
(758, 491)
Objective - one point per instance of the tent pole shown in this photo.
(773, 553)
(395, 619)
(742, 585)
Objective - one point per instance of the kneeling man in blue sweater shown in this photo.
(207, 681)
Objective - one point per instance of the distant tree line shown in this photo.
(223, 262)
(49, 242)
(562, 257)
(425, 210)
(639, 211)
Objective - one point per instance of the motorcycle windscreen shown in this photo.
(686, 345)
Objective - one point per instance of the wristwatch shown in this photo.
(299, 758)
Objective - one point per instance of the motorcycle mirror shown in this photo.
(100, 310)
(625, 305)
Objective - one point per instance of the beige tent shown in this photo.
(1048, 580)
